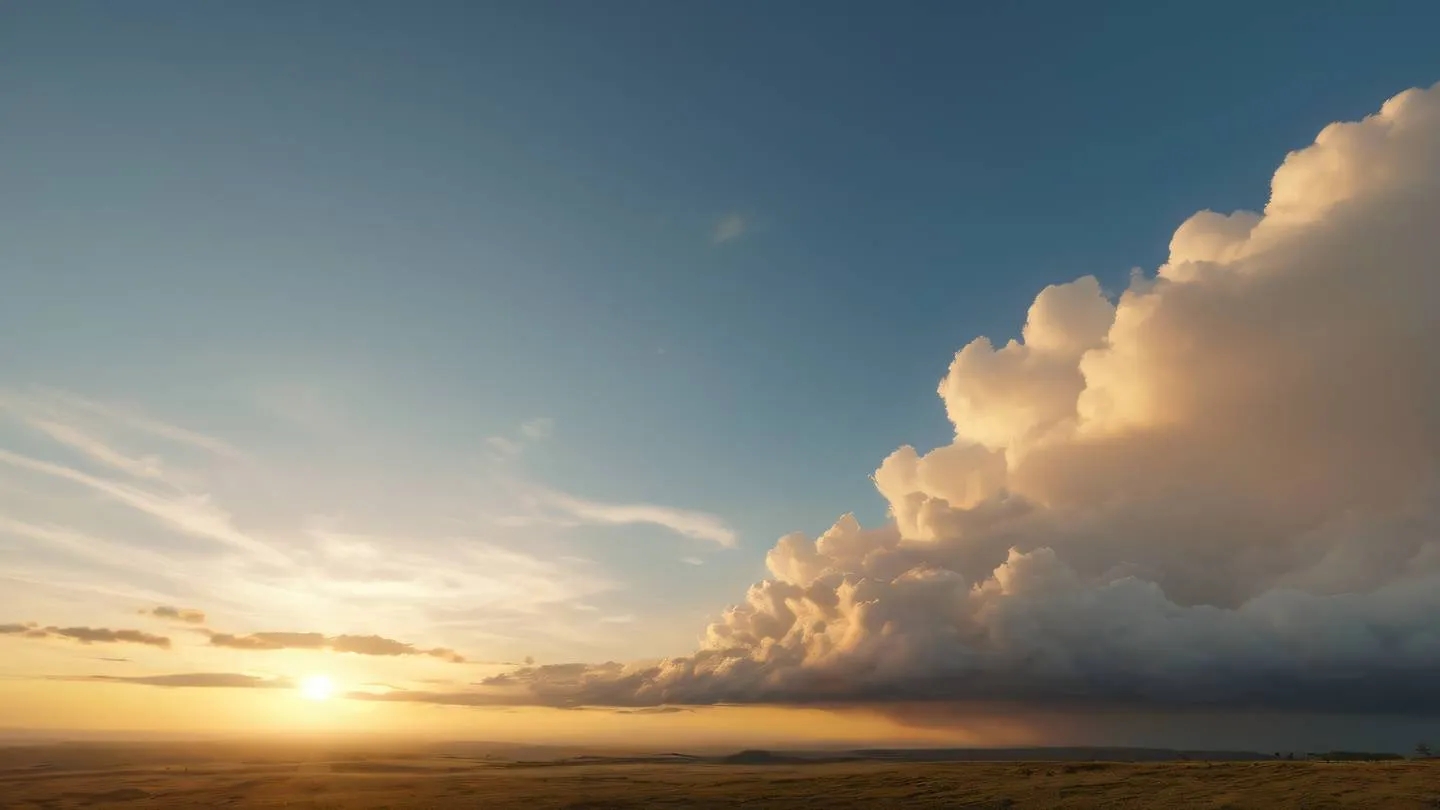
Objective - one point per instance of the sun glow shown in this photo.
(317, 687)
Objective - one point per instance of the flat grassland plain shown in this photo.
(173, 775)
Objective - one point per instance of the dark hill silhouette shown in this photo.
(755, 756)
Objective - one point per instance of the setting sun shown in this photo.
(526, 405)
(317, 687)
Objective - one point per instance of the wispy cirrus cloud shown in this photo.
(306, 403)
(96, 450)
(40, 400)
(529, 505)
(95, 550)
(687, 522)
(139, 481)
(195, 515)
(538, 505)
(730, 227)
(460, 574)
(504, 446)
(537, 429)
(526, 434)
(462, 586)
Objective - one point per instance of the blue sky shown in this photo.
(726, 249)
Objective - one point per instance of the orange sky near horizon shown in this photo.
(58, 705)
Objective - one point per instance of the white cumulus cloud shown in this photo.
(1218, 488)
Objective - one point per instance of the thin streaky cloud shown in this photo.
(729, 228)
(537, 429)
(306, 404)
(699, 525)
(52, 579)
(189, 514)
(85, 546)
(97, 450)
(529, 432)
(218, 680)
(503, 446)
(540, 506)
(136, 421)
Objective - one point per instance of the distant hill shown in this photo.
(1059, 754)
(755, 756)
(758, 757)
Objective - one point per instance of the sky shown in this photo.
(492, 360)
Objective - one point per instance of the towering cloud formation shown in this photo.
(1222, 485)
(1219, 488)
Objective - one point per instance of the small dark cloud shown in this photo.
(210, 680)
(370, 645)
(477, 698)
(642, 710)
(552, 674)
(357, 645)
(113, 660)
(176, 614)
(86, 635)
(28, 630)
(269, 641)
(89, 635)
(492, 698)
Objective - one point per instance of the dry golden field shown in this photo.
(174, 776)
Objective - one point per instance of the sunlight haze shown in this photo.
(718, 374)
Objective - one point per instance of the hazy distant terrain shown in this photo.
(483, 775)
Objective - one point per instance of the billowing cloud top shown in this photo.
(1218, 488)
